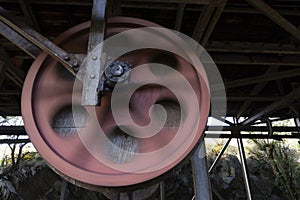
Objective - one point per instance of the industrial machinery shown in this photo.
(105, 105)
(56, 120)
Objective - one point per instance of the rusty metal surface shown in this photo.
(46, 101)
(28, 35)
(95, 63)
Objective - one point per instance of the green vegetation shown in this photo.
(284, 162)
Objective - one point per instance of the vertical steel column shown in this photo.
(244, 167)
(63, 190)
(200, 173)
(162, 191)
(93, 67)
(297, 122)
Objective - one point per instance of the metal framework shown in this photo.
(273, 55)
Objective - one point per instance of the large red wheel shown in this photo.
(50, 103)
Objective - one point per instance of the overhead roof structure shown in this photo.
(254, 43)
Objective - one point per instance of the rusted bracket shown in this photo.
(94, 65)
(30, 41)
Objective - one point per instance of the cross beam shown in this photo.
(276, 17)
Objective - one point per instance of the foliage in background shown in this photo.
(15, 170)
(16, 164)
(284, 162)
(213, 150)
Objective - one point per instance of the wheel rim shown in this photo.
(49, 94)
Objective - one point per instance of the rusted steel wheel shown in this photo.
(50, 102)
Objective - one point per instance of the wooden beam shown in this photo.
(263, 78)
(113, 8)
(247, 10)
(13, 73)
(14, 141)
(150, 5)
(243, 59)
(9, 111)
(28, 13)
(228, 9)
(293, 95)
(2, 72)
(10, 92)
(213, 22)
(14, 79)
(203, 20)
(12, 130)
(89, 3)
(252, 47)
(276, 17)
(256, 90)
(247, 98)
(222, 46)
(179, 16)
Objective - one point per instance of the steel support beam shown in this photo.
(29, 48)
(244, 128)
(162, 190)
(67, 60)
(276, 17)
(20, 130)
(202, 185)
(93, 67)
(2, 71)
(12, 130)
(244, 168)
(253, 136)
(63, 190)
(235, 132)
(297, 122)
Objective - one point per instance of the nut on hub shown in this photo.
(117, 71)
